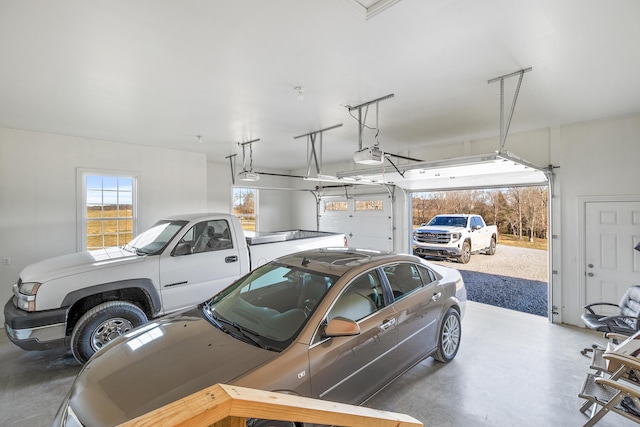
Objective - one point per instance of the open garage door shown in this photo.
(499, 169)
(494, 170)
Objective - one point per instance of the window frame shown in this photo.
(81, 201)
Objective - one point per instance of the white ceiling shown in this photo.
(162, 72)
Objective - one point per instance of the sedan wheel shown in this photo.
(449, 338)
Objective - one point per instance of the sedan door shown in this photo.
(418, 304)
(351, 368)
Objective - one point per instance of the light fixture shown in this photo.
(300, 91)
(369, 156)
(248, 174)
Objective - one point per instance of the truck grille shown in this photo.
(428, 237)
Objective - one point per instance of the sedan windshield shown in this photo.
(155, 239)
(269, 306)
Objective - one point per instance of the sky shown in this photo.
(109, 190)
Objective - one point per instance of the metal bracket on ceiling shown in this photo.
(315, 153)
(361, 120)
(232, 165)
(505, 130)
(244, 156)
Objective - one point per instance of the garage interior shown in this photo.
(187, 96)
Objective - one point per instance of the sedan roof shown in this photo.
(338, 261)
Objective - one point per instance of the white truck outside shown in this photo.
(455, 236)
(86, 299)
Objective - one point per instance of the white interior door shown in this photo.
(611, 264)
(366, 220)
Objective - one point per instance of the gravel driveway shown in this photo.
(513, 278)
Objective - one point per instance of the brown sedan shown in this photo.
(335, 324)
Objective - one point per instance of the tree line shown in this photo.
(521, 211)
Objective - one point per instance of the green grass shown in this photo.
(511, 240)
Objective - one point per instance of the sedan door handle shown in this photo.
(387, 324)
(229, 259)
(436, 296)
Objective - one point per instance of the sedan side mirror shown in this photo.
(341, 327)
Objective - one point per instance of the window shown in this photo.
(369, 205)
(475, 222)
(245, 207)
(107, 210)
(403, 278)
(208, 236)
(361, 298)
(335, 206)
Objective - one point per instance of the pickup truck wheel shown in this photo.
(492, 247)
(466, 253)
(102, 324)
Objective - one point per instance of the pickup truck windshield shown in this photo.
(451, 221)
(155, 239)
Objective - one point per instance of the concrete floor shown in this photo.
(513, 369)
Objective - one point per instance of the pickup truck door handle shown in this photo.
(229, 259)
(387, 323)
(436, 296)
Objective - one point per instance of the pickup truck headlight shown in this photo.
(455, 237)
(26, 295)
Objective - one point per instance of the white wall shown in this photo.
(38, 191)
(274, 196)
(597, 159)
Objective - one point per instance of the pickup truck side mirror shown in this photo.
(476, 227)
(341, 327)
(182, 249)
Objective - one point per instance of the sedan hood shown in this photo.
(79, 262)
(157, 364)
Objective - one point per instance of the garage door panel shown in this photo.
(366, 220)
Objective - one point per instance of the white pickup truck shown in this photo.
(86, 299)
(455, 236)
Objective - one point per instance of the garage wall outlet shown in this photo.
(6, 261)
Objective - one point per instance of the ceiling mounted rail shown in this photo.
(504, 130)
(315, 153)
